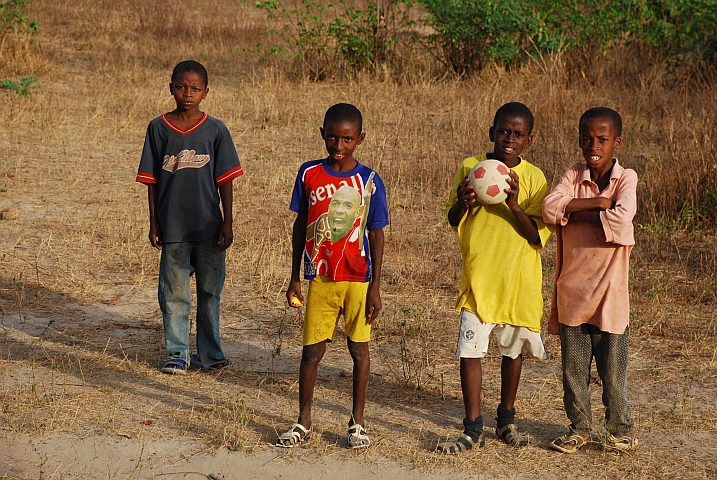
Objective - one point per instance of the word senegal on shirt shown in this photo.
(341, 207)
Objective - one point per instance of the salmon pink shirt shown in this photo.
(592, 261)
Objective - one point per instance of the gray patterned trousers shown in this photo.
(578, 346)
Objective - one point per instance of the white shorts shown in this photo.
(474, 336)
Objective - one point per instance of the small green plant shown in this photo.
(22, 87)
(236, 415)
(14, 19)
(416, 349)
(49, 323)
(277, 339)
(707, 205)
(43, 459)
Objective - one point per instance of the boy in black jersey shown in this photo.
(188, 164)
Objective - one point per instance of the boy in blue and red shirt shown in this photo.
(188, 164)
(341, 211)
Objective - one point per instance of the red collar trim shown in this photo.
(187, 131)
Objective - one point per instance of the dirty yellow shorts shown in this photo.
(325, 303)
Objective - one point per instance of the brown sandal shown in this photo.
(196, 361)
(217, 367)
(622, 444)
(569, 443)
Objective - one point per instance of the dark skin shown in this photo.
(188, 90)
(341, 139)
(510, 136)
(598, 140)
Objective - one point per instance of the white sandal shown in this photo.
(358, 437)
(295, 436)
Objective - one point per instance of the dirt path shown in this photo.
(69, 456)
(83, 398)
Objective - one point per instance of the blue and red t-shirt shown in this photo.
(338, 222)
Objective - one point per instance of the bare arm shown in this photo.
(298, 244)
(587, 209)
(595, 203)
(587, 216)
(527, 224)
(373, 299)
(226, 233)
(155, 232)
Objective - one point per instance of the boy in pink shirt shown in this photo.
(593, 207)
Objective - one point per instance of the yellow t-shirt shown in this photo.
(501, 277)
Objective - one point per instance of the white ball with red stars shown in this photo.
(489, 180)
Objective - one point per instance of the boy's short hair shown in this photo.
(515, 109)
(193, 67)
(343, 112)
(604, 112)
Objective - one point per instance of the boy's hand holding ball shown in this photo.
(466, 194)
(293, 295)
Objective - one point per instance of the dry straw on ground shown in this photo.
(81, 332)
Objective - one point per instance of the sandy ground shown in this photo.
(69, 456)
(86, 415)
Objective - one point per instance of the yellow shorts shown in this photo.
(326, 301)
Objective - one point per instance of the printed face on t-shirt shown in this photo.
(343, 210)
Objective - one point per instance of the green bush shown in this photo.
(359, 38)
(329, 38)
(470, 33)
(13, 19)
(680, 27)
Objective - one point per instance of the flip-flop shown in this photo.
(217, 367)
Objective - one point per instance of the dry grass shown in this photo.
(82, 332)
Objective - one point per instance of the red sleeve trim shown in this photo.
(147, 178)
(229, 176)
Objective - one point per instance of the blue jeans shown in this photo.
(179, 261)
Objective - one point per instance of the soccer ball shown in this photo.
(489, 180)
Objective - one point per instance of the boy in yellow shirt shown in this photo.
(501, 277)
